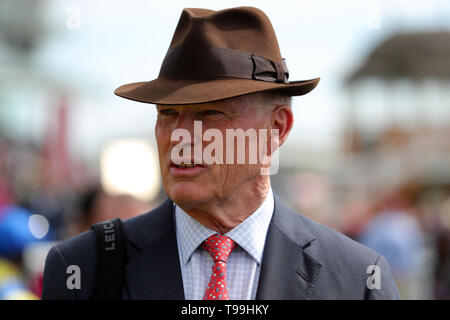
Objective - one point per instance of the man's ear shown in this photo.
(282, 120)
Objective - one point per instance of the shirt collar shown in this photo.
(249, 234)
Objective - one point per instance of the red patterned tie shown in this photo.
(219, 247)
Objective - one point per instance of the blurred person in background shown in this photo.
(12, 284)
(394, 231)
(96, 205)
(442, 242)
(6, 196)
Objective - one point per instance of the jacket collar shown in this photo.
(156, 224)
(288, 271)
(153, 272)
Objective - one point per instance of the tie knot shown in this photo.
(219, 247)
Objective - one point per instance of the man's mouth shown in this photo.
(183, 165)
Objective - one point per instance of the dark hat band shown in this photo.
(215, 62)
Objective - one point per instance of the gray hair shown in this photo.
(264, 101)
(275, 98)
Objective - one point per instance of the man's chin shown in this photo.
(187, 193)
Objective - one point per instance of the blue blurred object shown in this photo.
(15, 232)
(397, 236)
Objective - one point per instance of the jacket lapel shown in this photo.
(154, 271)
(288, 271)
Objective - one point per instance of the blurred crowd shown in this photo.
(409, 226)
(39, 206)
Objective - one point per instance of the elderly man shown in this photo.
(222, 233)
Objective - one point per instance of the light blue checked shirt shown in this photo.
(244, 262)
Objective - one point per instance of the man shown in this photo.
(222, 234)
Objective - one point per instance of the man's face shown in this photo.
(214, 183)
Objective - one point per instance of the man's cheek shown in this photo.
(161, 132)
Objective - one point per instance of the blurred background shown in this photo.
(369, 154)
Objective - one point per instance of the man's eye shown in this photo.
(166, 111)
(211, 112)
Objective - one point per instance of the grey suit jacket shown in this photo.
(302, 260)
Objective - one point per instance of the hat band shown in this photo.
(215, 62)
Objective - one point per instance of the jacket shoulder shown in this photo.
(320, 239)
(333, 241)
(345, 264)
(349, 264)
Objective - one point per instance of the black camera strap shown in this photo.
(111, 259)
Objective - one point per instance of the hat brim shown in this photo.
(171, 91)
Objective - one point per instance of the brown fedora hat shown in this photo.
(216, 55)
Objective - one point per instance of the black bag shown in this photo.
(111, 259)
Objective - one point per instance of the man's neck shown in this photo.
(225, 214)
